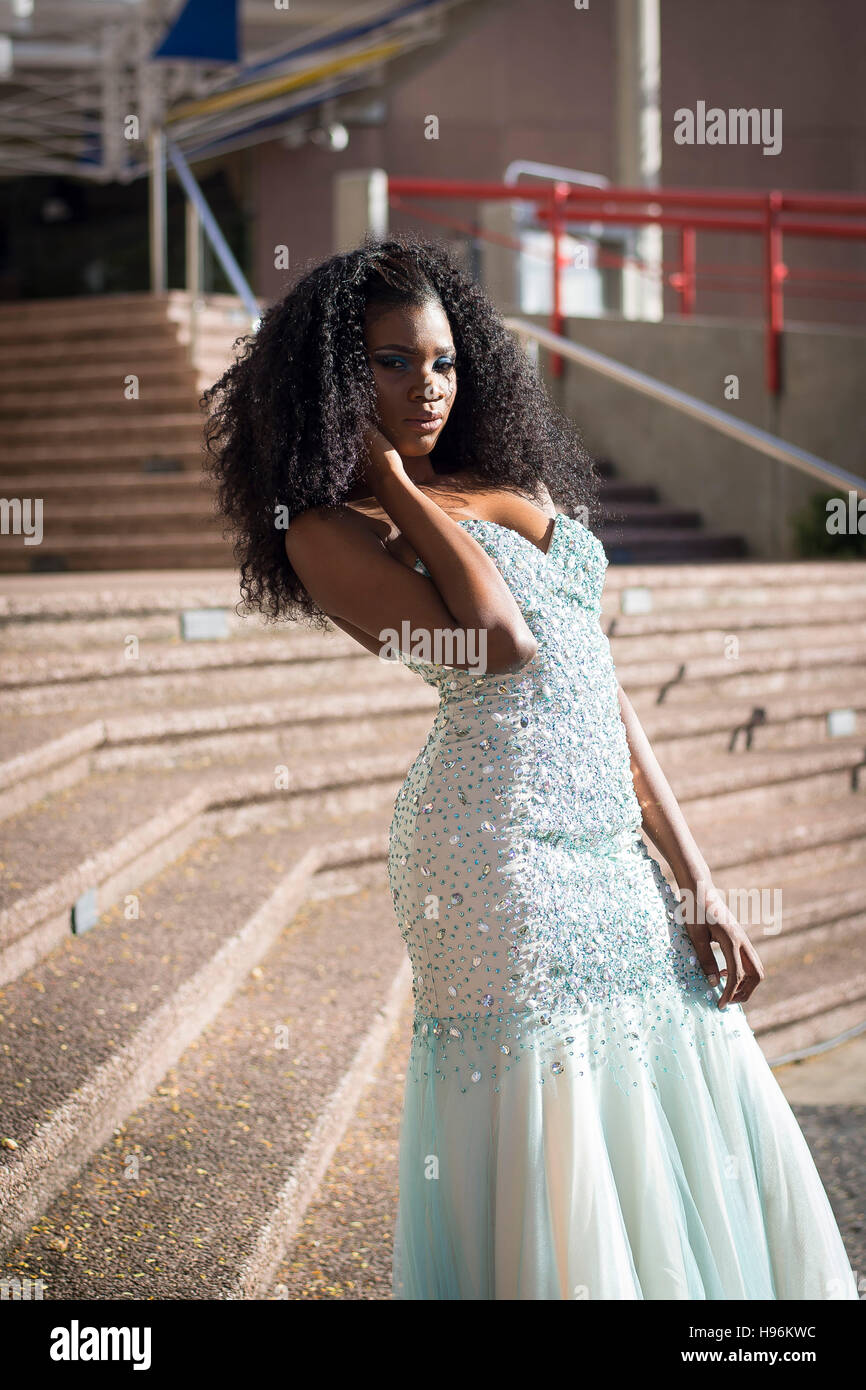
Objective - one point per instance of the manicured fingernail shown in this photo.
(713, 979)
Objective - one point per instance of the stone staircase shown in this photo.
(120, 479)
(177, 1074)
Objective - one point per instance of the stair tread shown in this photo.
(246, 1106)
(59, 835)
(131, 968)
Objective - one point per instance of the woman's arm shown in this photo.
(351, 576)
(666, 826)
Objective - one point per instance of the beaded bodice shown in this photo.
(561, 748)
(521, 884)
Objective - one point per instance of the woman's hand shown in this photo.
(743, 969)
(382, 458)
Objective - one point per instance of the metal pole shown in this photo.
(559, 194)
(193, 272)
(158, 257)
(774, 272)
(221, 248)
(688, 261)
(731, 425)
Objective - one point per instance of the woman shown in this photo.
(587, 1113)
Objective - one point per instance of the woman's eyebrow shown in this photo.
(409, 352)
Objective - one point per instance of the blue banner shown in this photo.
(203, 29)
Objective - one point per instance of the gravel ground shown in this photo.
(828, 1096)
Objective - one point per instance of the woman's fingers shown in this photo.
(753, 971)
(700, 937)
(742, 971)
(733, 968)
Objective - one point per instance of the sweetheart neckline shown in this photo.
(545, 554)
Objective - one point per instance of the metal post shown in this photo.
(158, 241)
(774, 274)
(688, 262)
(558, 196)
(193, 272)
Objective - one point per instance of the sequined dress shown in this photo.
(580, 1120)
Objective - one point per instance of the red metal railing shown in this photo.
(770, 216)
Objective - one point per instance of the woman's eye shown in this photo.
(444, 364)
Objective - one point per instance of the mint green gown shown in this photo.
(580, 1120)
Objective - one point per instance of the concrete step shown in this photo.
(189, 688)
(647, 515)
(683, 597)
(117, 490)
(760, 626)
(157, 363)
(788, 914)
(779, 721)
(782, 668)
(811, 998)
(344, 1246)
(170, 455)
(729, 783)
(267, 736)
(123, 305)
(613, 490)
(230, 1145)
(32, 669)
(152, 985)
(65, 522)
(116, 352)
(752, 849)
(676, 669)
(69, 552)
(753, 586)
(35, 598)
(107, 833)
(170, 393)
(70, 325)
(728, 643)
(103, 433)
(642, 544)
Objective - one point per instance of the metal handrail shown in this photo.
(221, 248)
(720, 420)
(766, 215)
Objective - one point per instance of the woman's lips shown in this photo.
(425, 424)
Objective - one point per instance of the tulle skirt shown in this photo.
(658, 1160)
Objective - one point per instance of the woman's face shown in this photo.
(412, 360)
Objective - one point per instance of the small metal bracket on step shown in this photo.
(755, 719)
(48, 564)
(669, 685)
(636, 600)
(841, 723)
(162, 464)
(204, 625)
(85, 912)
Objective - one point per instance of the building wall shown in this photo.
(735, 487)
(537, 81)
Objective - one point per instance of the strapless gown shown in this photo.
(580, 1120)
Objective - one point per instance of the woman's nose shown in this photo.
(429, 389)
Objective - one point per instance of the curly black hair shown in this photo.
(286, 421)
